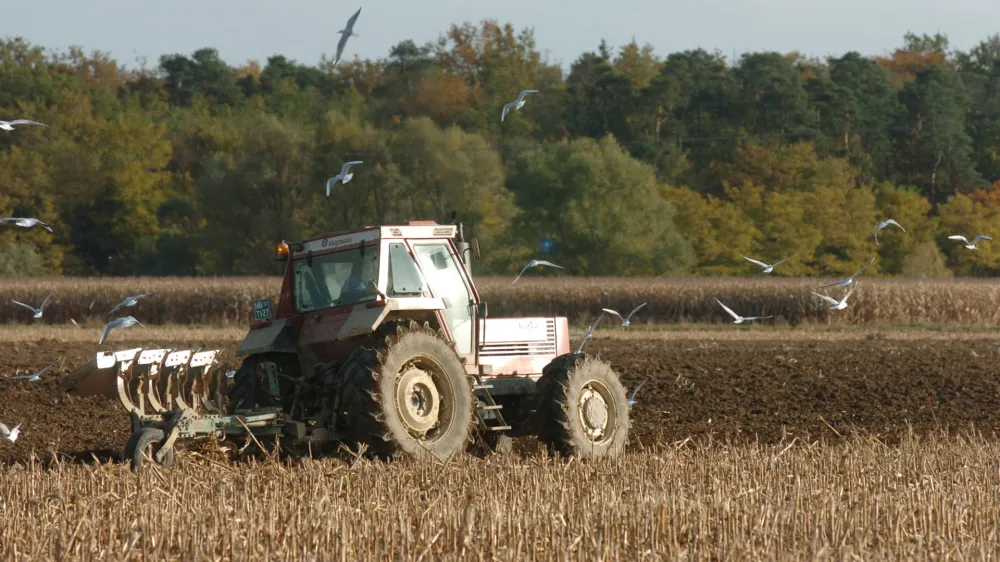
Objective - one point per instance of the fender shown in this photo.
(277, 337)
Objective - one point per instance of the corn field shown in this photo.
(226, 301)
(927, 498)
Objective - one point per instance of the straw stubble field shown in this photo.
(876, 444)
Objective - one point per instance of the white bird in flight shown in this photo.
(834, 303)
(631, 400)
(535, 263)
(516, 104)
(884, 224)
(849, 280)
(344, 176)
(10, 434)
(9, 125)
(625, 321)
(346, 33)
(589, 334)
(970, 245)
(27, 222)
(37, 311)
(123, 322)
(130, 301)
(37, 376)
(737, 319)
(768, 268)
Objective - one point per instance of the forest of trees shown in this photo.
(627, 163)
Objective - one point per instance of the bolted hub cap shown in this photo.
(593, 412)
(417, 400)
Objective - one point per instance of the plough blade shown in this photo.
(155, 381)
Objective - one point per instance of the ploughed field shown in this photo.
(718, 385)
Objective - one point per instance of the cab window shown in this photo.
(338, 279)
(404, 279)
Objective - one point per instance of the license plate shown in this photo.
(262, 309)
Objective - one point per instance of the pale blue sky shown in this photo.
(304, 29)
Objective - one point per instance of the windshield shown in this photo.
(338, 279)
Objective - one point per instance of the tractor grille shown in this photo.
(545, 346)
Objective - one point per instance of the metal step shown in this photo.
(484, 407)
(498, 428)
(482, 387)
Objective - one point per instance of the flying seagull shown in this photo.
(516, 104)
(768, 268)
(884, 224)
(130, 301)
(849, 280)
(346, 33)
(123, 322)
(737, 319)
(625, 321)
(27, 222)
(631, 400)
(37, 376)
(344, 176)
(589, 334)
(10, 434)
(970, 245)
(9, 125)
(37, 311)
(834, 303)
(535, 263)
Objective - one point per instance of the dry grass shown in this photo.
(226, 301)
(930, 498)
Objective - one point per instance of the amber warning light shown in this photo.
(282, 252)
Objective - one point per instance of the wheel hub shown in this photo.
(417, 400)
(593, 412)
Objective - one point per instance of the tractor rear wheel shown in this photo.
(142, 446)
(407, 395)
(583, 409)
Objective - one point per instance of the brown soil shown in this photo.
(726, 390)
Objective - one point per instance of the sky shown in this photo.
(303, 30)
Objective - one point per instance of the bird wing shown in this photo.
(866, 266)
(609, 311)
(826, 298)
(330, 183)
(4, 430)
(340, 47)
(9, 219)
(593, 326)
(854, 286)
(760, 263)
(45, 226)
(841, 282)
(637, 389)
(758, 317)
(31, 308)
(47, 368)
(107, 330)
(524, 93)
(893, 221)
(634, 310)
(980, 237)
(958, 237)
(25, 122)
(350, 22)
(548, 263)
(117, 306)
(44, 302)
(506, 108)
(784, 260)
(523, 269)
(729, 310)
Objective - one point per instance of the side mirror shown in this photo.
(483, 310)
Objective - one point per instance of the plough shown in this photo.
(169, 394)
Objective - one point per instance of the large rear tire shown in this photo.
(407, 395)
(583, 410)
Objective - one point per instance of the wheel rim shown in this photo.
(596, 411)
(424, 399)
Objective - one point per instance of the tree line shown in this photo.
(630, 163)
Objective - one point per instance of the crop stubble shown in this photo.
(798, 447)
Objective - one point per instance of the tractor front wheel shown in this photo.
(408, 395)
(583, 409)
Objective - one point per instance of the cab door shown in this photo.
(444, 274)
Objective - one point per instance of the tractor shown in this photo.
(380, 343)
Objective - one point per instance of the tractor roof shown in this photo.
(410, 230)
